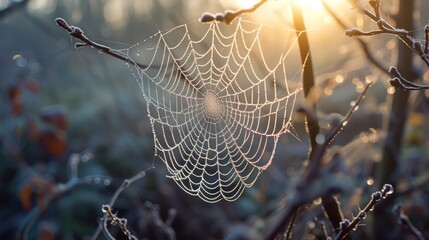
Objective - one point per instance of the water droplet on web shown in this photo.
(353, 103)
(107, 182)
(345, 123)
(189, 116)
(320, 138)
(97, 180)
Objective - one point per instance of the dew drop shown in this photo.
(107, 182)
(387, 189)
(345, 123)
(97, 180)
(320, 138)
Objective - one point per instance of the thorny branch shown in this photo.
(313, 177)
(125, 184)
(122, 222)
(347, 226)
(114, 220)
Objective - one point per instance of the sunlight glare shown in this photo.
(313, 5)
(246, 3)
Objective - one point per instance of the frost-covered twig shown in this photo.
(398, 81)
(347, 226)
(229, 16)
(78, 34)
(125, 184)
(115, 220)
(385, 27)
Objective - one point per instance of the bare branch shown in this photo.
(229, 16)
(406, 222)
(347, 226)
(125, 184)
(114, 220)
(385, 27)
(361, 42)
(77, 33)
(398, 81)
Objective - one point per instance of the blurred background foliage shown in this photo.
(58, 102)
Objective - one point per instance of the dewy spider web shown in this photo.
(216, 102)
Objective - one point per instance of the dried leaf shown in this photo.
(25, 197)
(54, 115)
(53, 142)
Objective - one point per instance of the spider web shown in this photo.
(218, 100)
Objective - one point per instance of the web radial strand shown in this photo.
(218, 98)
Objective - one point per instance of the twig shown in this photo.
(77, 33)
(125, 184)
(398, 81)
(346, 226)
(164, 226)
(311, 175)
(405, 221)
(306, 192)
(289, 231)
(229, 16)
(320, 151)
(385, 27)
(362, 44)
(114, 220)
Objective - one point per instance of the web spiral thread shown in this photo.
(216, 103)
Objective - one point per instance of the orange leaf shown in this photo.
(13, 92)
(25, 197)
(54, 142)
(17, 105)
(32, 85)
(55, 116)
